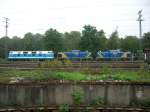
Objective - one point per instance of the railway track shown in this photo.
(89, 70)
(73, 109)
(90, 64)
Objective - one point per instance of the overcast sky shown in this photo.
(37, 16)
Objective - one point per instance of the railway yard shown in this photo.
(29, 77)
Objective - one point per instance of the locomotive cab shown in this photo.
(61, 56)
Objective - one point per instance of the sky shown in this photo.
(37, 16)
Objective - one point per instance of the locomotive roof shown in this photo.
(21, 52)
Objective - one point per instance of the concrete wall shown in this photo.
(50, 94)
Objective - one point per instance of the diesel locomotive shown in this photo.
(30, 55)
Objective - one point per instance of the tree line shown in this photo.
(89, 39)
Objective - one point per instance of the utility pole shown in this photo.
(6, 26)
(140, 26)
(6, 35)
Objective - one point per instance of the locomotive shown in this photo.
(31, 55)
(72, 55)
(113, 55)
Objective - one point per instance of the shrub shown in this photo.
(143, 103)
(106, 69)
(64, 107)
(97, 101)
(77, 96)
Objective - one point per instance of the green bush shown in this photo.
(64, 107)
(143, 103)
(106, 69)
(77, 96)
(97, 101)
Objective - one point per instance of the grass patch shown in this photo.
(45, 75)
(3, 60)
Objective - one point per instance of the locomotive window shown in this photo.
(33, 53)
(59, 55)
(25, 53)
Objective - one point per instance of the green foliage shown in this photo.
(28, 41)
(4, 47)
(77, 95)
(145, 103)
(75, 76)
(71, 40)
(64, 107)
(53, 40)
(142, 103)
(106, 69)
(98, 101)
(103, 40)
(45, 75)
(131, 43)
(114, 41)
(90, 40)
(146, 40)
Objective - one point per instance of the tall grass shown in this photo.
(45, 75)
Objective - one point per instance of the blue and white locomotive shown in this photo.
(113, 55)
(31, 55)
(74, 55)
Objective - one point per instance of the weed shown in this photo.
(45, 75)
(97, 101)
(143, 103)
(106, 69)
(64, 107)
(77, 96)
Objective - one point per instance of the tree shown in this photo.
(114, 42)
(33, 42)
(28, 41)
(38, 43)
(72, 40)
(90, 40)
(131, 43)
(15, 43)
(103, 40)
(4, 47)
(53, 40)
(146, 40)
